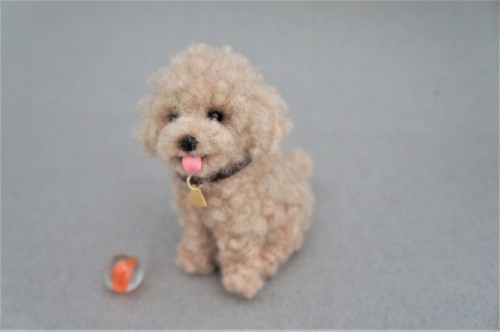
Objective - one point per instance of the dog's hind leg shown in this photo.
(284, 239)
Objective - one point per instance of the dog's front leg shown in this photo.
(196, 251)
(240, 263)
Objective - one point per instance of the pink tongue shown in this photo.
(191, 165)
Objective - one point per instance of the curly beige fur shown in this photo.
(257, 217)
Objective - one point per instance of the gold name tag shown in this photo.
(195, 195)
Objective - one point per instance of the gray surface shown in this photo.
(396, 102)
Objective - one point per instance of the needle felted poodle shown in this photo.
(244, 206)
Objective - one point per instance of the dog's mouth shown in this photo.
(192, 163)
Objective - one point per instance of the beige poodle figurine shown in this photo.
(244, 206)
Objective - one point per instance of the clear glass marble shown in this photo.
(124, 274)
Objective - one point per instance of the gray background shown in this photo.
(397, 103)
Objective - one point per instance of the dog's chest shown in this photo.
(224, 203)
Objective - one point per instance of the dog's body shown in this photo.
(211, 116)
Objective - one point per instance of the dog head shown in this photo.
(208, 110)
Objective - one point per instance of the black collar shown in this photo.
(222, 174)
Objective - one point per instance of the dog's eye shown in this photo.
(173, 116)
(215, 114)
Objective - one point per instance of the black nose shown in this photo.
(188, 143)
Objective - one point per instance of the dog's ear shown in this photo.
(270, 123)
(149, 127)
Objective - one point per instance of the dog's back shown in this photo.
(299, 158)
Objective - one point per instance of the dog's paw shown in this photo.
(194, 262)
(244, 282)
